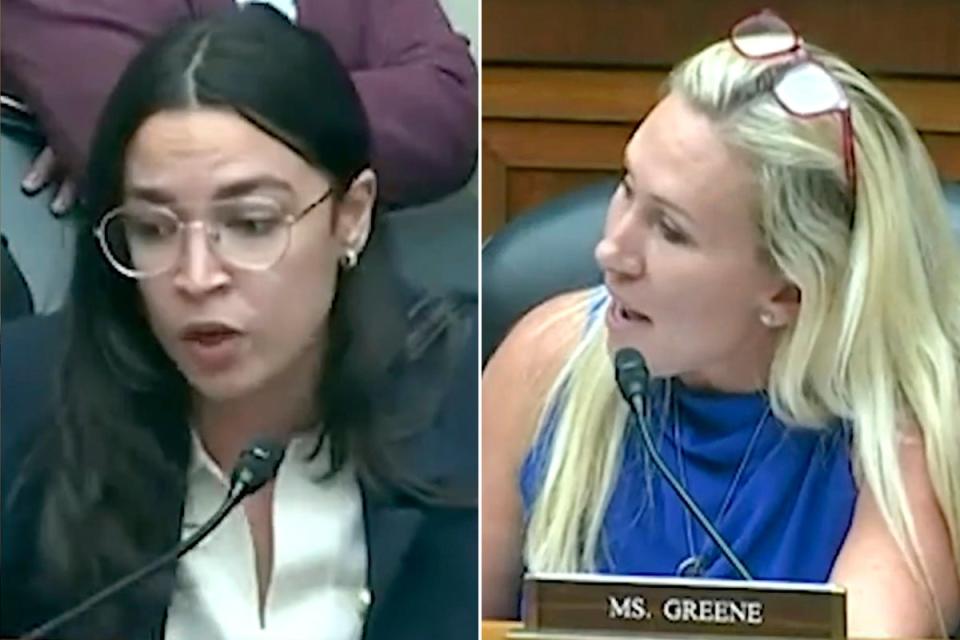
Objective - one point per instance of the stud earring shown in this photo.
(766, 317)
(349, 259)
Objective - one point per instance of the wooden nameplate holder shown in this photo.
(586, 607)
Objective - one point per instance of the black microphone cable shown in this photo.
(632, 378)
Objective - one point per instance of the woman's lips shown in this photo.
(619, 316)
(212, 348)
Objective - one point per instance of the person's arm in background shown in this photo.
(419, 83)
(62, 58)
(420, 91)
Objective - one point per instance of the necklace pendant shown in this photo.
(691, 567)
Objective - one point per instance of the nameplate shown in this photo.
(578, 604)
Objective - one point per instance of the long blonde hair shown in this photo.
(877, 337)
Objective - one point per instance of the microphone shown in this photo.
(632, 377)
(257, 465)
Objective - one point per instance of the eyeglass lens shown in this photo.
(808, 89)
(764, 35)
(148, 242)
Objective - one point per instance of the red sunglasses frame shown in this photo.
(803, 57)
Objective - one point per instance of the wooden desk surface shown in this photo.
(497, 629)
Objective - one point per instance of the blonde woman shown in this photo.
(779, 252)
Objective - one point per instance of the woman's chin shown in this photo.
(224, 385)
(654, 365)
(617, 342)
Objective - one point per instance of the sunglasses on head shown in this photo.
(805, 89)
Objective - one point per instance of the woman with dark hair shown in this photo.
(231, 287)
(16, 295)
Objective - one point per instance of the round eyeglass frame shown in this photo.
(289, 220)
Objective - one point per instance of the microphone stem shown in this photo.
(683, 495)
(186, 545)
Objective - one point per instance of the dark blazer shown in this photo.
(422, 560)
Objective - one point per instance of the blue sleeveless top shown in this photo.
(781, 496)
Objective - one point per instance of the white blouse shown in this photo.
(318, 586)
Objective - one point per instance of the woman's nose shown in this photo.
(200, 270)
(620, 250)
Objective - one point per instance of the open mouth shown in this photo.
(212, 346)
(620, 314)
(632, 316)
(210, 337)
(208, 332)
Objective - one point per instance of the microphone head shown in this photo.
(256, 466)
(631, 372)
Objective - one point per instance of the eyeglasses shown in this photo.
(804, 89)
(147, 241)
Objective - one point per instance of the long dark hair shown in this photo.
(120, 445)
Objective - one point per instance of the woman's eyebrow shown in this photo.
(666, 203)
(249, 185)
(150, 194)
(672, 206)
(233, 189)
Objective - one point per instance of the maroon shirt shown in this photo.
(415, 76)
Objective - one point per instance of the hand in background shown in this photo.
(46, 170)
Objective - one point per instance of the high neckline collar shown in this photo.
(708, 411)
